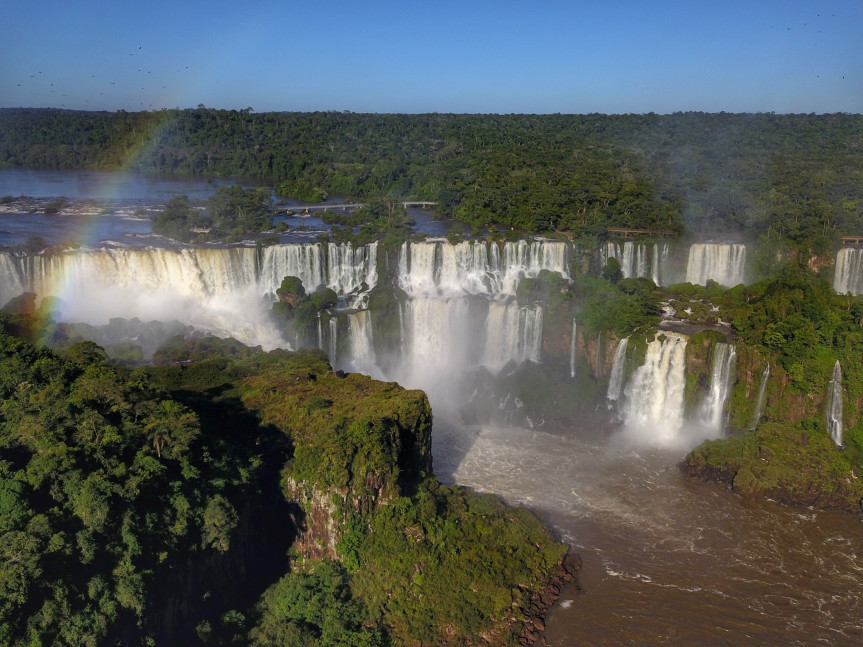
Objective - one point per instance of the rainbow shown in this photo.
(123, 155)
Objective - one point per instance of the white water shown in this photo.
(572, 349)
(658, 262)
(638, 260)
(362, 344)
(436, 346)
(667, 560)
(721, 376)
(333, 347)
(760, 400)
(834, 405)
(511, 334)
(723, 263)
(615, 381)
(848, 273)
(653, 411)
(440, 269)
(631, 256)
(226, 291)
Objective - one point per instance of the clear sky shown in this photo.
(502, 56)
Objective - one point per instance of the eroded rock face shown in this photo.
(316, 518)
(542, 601)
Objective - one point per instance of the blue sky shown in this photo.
(612, 56)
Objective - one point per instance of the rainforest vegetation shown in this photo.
(159, 506)
(798, 178)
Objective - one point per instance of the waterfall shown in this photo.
(834, 405)
(612, 250)
(712, 409)
(572, 349)
(723, 263)
(512, 334)
(760, 400)
(361, 343)
(653, 411)
(226, 291)
(201, 273)
(438, 268)
(848, 274)
(658, 262)
(438, 341)
(339, 267)
(349, 268)
(306, 262)
(641, 267)
(632, 258)
(615, 382)
(334, 341)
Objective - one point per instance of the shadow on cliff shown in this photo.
(206, 583)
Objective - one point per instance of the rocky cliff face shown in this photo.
(357, 443)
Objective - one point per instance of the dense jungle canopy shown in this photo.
(796, 177)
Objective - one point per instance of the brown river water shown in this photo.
(668, 560)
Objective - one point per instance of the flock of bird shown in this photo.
(140, 70)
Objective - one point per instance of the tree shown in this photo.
(172, 428)
(220, 518)
(612, 271)
(237, 209)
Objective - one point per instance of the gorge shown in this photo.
(536, 402)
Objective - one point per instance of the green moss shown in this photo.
(784, 462)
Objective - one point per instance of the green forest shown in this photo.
(798, 178)
(233, 497)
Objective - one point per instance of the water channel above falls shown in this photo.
(114, 208)
(666, 560)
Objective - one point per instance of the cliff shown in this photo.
(358, 443)
(172, 495)
(433, 564)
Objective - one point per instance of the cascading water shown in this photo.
(760, 399)
(437, 334)
(723, 263)
(362, 344)
(712, 410)
(614, 505)
(341, 268)
(653, 411)
(633, 258)
(460, 312)
(834, 405)
(848, 273)
(512, 334)
(572, 349)
(438, 268)
(334, 341)
(222, 290)
(658, 262)
(615, 381)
